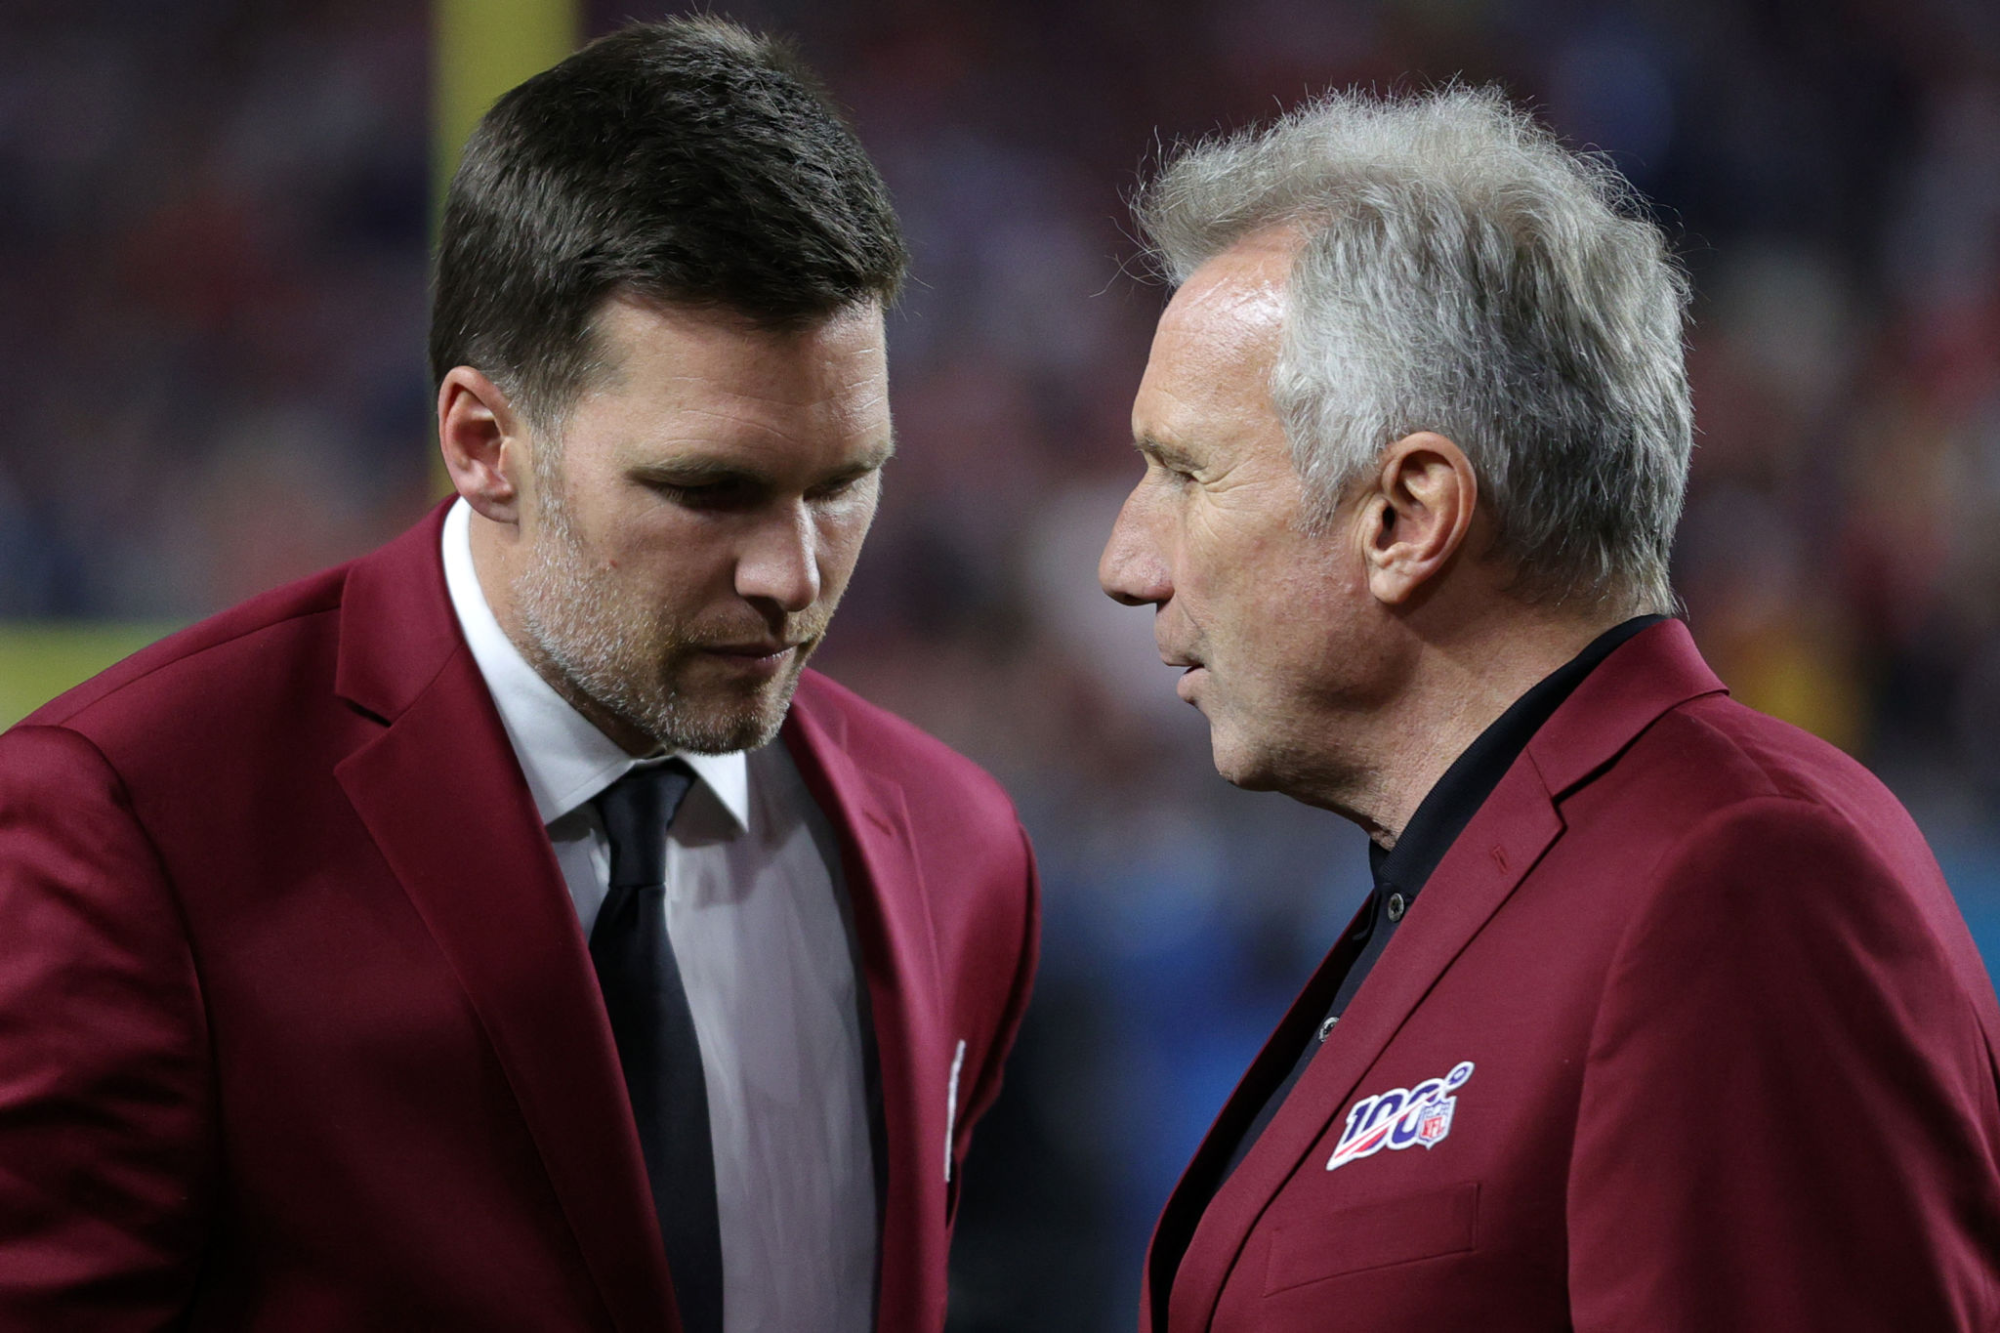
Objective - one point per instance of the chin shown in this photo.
(720, 735)
(1239, 764)
(720, 721)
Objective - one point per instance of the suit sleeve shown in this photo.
(1787, 1118)
(105, 1102)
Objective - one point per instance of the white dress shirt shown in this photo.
(757, 913)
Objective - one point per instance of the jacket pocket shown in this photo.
(1392, 1231)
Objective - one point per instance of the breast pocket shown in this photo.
(1376, 1235)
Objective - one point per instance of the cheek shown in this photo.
(840, 531)
(665, 561)
(1238, 572)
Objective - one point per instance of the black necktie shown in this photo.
(656, 1038)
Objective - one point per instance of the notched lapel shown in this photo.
(899, 953)
(1512, 830)
(443, 797)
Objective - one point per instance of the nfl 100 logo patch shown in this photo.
(1401, 1118)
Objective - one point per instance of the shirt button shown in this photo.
(1397, 906)
(1326, 1028)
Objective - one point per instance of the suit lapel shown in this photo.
(1506, 838)
(442, 795)
(1656, 670)
(899, 955)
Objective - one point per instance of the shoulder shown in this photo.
(1793, 1037)
(1777, 849)
(1714, 771)
(1733, 797)
(255, 645)
(1787, 760)
(963, 833)
(276, 655)
(1714, 819)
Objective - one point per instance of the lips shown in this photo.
(757, 655)
(758, 663)
(751, 649)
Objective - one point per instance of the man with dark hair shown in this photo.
(1660, 1015)
(440, 943)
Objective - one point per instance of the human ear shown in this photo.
(1420, 515)
(484, 443)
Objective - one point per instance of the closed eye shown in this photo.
(840, 487)
(1170, 463)
(725, 496)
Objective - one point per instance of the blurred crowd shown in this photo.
(213, 219)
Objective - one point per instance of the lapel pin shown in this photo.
(951, 1105)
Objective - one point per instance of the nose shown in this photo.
(780, 563)
(1133, 571)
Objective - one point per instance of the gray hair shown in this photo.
(1462, 272)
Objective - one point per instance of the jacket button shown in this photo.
(1397, 906)
(1326, 1028)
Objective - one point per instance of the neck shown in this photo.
(1456, 689)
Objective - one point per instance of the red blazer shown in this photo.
(1684, 1033)
(298, 1029)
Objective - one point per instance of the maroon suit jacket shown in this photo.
(298, 1029)
(1732, 1062)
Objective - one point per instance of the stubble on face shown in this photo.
(611, 656)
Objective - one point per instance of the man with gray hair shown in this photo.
(1672, 996)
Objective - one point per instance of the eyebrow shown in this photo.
(1166, 455)
(714, 471)
(872, 461)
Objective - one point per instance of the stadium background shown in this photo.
(213, 217)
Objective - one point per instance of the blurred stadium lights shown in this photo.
(480, 49)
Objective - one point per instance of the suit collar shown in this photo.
(1659, 669)
(1505, 839)
(396, 629)
(1656, 670)
(1470, 779)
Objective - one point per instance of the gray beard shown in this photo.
(626, 665)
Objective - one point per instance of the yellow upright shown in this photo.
(480, 49)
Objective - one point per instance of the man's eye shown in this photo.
(833, 490)
(714, 495)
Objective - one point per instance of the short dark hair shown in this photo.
(690, 162)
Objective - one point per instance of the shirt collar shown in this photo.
(565, 758)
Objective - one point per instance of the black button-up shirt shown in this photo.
(1400, 873)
